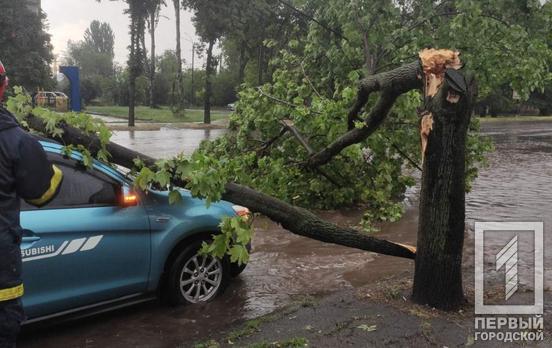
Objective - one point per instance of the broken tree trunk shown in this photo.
(449, 104)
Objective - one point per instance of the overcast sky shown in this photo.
(68, 19)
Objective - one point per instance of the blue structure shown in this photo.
(73, 74)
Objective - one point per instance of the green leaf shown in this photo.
(175, 197)
(238, 254)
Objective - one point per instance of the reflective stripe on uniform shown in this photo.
(11, 293)
(49, 194)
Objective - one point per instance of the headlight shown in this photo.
(242, 211)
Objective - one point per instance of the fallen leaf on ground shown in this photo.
(367, 328)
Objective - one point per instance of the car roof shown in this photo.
(54, 147)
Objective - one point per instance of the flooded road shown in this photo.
(284, 267)
(515, 187)
(168, 142)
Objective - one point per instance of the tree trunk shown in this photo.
(153, 21)
(192, 98)
(242, 63)
(438, 272)
(178, 92)
(260, 66)
(209, 69)
(133, 57)
(131, 100)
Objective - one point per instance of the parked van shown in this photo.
(56, 101)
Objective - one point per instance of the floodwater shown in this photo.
(284, 267)
(516, 188)
(166, 143)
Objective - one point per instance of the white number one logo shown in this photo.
(508, 257)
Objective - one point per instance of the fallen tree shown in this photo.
(449, 101)
(295, 219)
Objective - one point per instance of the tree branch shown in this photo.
(283, 102)
(391, 84)
(296, 220)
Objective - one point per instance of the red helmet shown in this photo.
(3, 81)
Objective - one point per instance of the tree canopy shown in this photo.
(25, 46)
(95, 53)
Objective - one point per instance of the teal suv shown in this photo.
(101, 244)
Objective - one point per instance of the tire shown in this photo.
(195, 278)
(235, 269)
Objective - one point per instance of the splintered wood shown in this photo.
(426, 126)
(435, 63)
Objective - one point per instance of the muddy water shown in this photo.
(515, 187)
(283, 266)
(167, 142)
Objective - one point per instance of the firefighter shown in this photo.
(25, 173)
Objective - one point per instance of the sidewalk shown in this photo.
(380, 315)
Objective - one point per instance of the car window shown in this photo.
(81, 188)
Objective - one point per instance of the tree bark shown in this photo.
(391, 84)
(178, 92)
(131, 100)
(242, 63)
(438, 272)
(153, 23)
(209, 69)
(260, 66)
(134, 53)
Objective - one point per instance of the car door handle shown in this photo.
(29, 236)
(30, 239)
(163, 219)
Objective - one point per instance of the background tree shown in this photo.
(137, 11)
(94, 56)
(178, 93)
(154, 9)
(211, 19)
(542, 100)
(25, 47)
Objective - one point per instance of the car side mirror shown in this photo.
(129, 197)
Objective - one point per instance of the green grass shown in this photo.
(515, 118)
(161, 115)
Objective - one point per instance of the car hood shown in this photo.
(161, 199)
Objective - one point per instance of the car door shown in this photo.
(84, 247)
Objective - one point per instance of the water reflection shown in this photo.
(166, 142)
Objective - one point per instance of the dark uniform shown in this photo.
(25, 173)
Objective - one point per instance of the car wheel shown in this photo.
(195, 278)
(236, 270)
